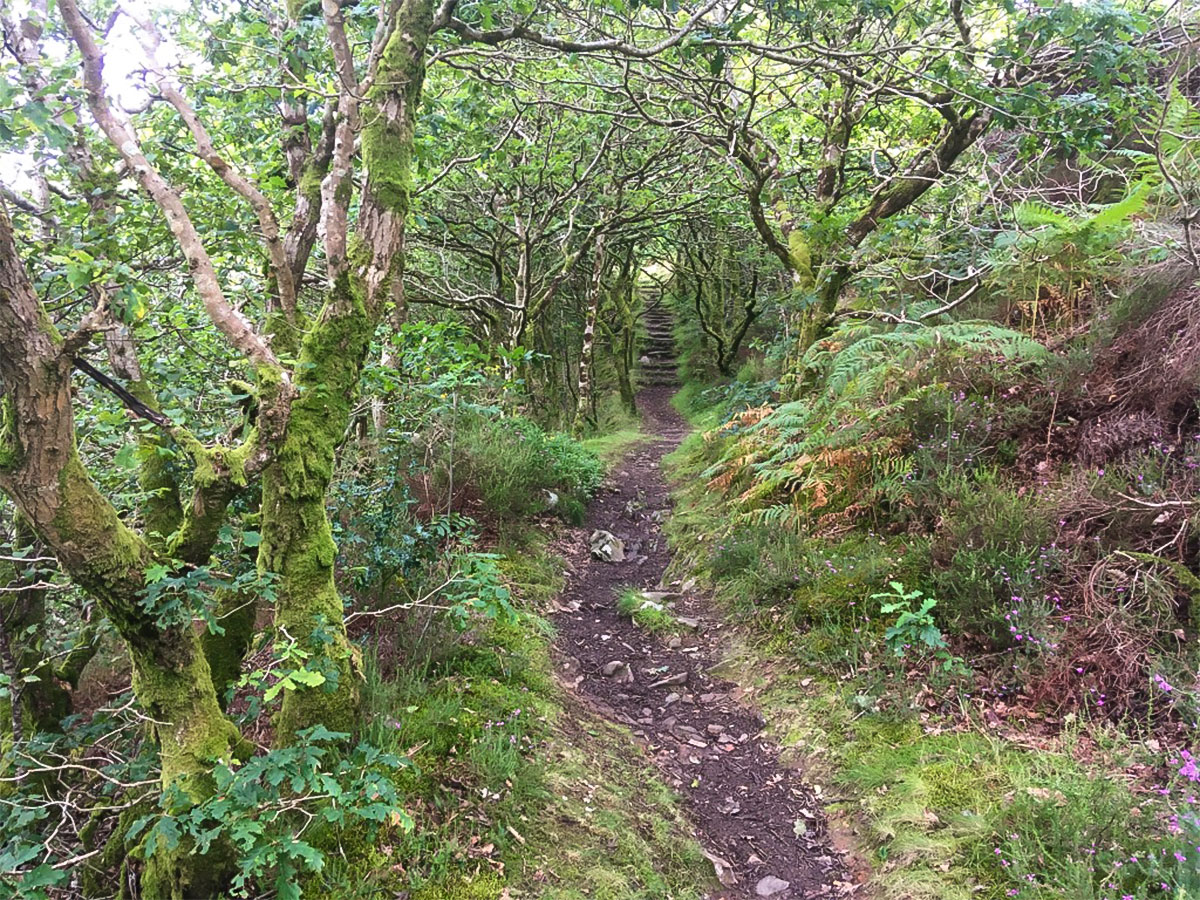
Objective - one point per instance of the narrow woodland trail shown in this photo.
(756, 819)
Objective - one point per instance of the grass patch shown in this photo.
(534, 574)
(611, 447)
(647, 614)
(695, 403)
(518, 469)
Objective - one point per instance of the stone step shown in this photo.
(660, 367)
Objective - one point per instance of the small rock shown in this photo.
(688, 622)
(670, 698)
(724, 870)
(660, 597)
(716, 729)
(618, 670)
(671, 680)
(770, 886)
(607, 546)
(674, 642)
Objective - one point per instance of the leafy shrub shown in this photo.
(914, 628)
(260, 806)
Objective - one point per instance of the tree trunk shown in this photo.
(297, 539)
(41, 471)
(583, 398)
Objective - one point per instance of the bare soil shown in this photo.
(756, 819)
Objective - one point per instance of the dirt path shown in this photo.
(759, 822)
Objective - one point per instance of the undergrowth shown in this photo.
(513, 788)
(1022, 727)
(513, 785)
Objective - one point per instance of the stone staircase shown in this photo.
(658, 363)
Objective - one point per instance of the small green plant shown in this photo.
(912, 627)
(915, 629)
(278, 809)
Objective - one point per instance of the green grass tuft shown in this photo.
(646, 614)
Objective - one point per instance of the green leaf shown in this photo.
(156, 572)
(307, 677)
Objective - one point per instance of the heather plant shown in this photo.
(1096, 839)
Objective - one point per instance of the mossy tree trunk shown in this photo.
(32, 705)
(298, 543)
(584, 395)
(622, 334)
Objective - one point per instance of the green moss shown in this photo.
(310, 181)
(297, 539)
(108, 558)
(114, 856)
(10, 453)
(953, 788)
(480, 887)
(387, 138)
(236, 612)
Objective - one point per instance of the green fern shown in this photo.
(1033, 214)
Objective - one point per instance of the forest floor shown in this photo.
(759, 823)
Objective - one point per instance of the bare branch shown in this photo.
(232, 324)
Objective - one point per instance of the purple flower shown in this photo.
(1189, 770)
